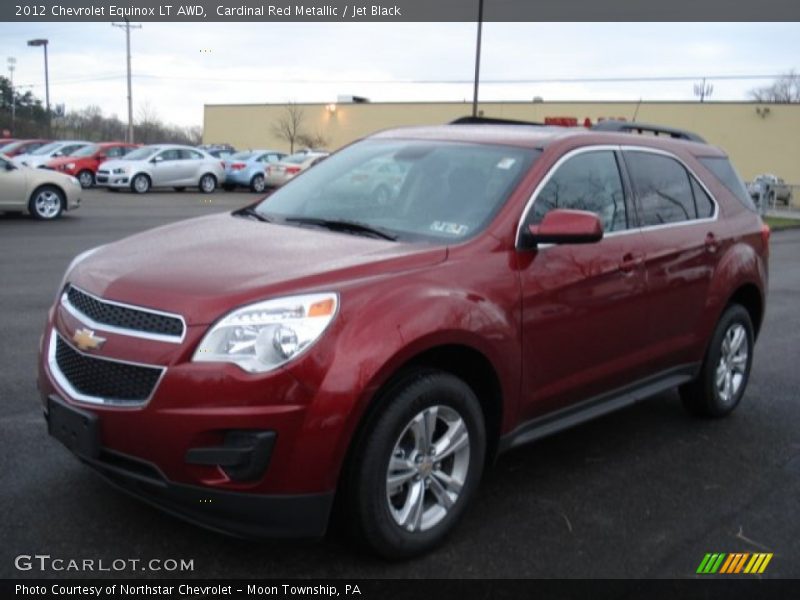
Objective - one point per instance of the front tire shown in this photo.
(207, 183)
(417, 464)
(141, 183)
(86, 179)
(723, 378)
(46, 203)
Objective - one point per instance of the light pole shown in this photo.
(43, 42)
(12, 64)
(477, 60)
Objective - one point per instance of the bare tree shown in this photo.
(288, 126)
(313, 140)
(148, 123)
(785, 89)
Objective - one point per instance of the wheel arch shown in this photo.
(750, 297)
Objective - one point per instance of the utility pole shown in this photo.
(127, 27)
(12, 64)
(477, 60)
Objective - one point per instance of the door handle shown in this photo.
(630, 262)
(711, 242)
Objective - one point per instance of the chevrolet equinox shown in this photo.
(329, 352)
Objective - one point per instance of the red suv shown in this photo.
(84, 163)
(326, 349)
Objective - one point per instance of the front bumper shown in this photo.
(240, 514)
(120, 180)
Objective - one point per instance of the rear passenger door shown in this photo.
(584, 305)
(682, 240)
(191, 166)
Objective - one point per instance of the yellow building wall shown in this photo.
(760, 138)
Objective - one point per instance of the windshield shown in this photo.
(89, 150)
(142, 153)
(415, 190)
(48, 148)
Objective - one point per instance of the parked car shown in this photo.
(246, 169)
(279, 173)
(218, 150)
(5, 141)
(242, 369)
(22, 147)
(83, 163)
(43, 155)
(44, 195)
(777, 189)
(162, 165)
(378, 180)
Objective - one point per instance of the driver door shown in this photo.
(13, 186)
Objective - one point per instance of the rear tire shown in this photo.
(207, 183)
(723, 377)
(46, 203)
(416, 466)
(258, 184)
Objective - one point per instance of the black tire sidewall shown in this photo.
(714, 404)
(32, 203)
(91, 178)
(200, 183)
(253, 183)
(133, 183)
(407, 399)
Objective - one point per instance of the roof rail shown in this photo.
(629, 127)
(491, 121)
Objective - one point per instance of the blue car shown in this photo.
(246, 169)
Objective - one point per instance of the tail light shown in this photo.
(292, 170)
(765, 233)
(238, 166)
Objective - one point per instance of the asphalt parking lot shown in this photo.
(642, 493)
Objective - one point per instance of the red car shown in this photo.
(242, 370)
(83, 164)
(23, 147)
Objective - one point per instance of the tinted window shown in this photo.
(115, 151)
(663, 188)
(588, 181)
(191, 154)
(705, 206)
(723, 169)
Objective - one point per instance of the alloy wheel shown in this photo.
(732, 366)
(428, 468)
(47, 204)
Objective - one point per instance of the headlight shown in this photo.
(118, 170)
(69, 166)
(263, 336)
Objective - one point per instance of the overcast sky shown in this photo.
(177, 68)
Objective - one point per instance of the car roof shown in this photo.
(541, 136)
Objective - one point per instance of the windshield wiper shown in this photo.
(249, 211)
(344, 226)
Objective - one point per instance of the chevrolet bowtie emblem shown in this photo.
(85, 339)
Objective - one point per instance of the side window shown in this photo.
(270, 158)
(588, 181)
(663, 188)
(172, 154)
(191, 155)
(705, 205)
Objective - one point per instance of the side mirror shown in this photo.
(562, 226)
(157, 159)
(57, 154)
(10, 166)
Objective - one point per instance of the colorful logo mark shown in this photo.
(734, 563)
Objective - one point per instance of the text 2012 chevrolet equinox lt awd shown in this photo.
(330, 347)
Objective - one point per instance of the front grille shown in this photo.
(124, 317)
(104, 380)
(103, 172)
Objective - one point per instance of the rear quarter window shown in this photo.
(722, 168)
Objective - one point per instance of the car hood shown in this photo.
(202, 268)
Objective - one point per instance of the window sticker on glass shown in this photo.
(449, 228)
(506, 163)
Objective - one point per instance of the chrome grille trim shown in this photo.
(87, 320)
(74, 394)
